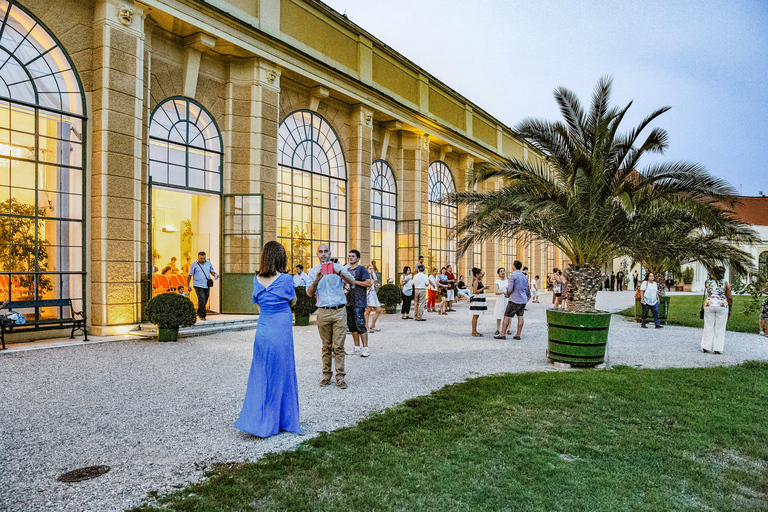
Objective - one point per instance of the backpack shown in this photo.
(15, 317)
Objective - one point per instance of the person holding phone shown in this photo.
(327, 284)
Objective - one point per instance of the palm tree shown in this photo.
(584, 197)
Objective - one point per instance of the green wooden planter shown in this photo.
(577, 338)
(301, 320)
(168, 334)
(390, 309)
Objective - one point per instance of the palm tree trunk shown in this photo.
(583, 284)
(660, 276)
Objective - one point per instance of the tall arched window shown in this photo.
(442, 217)
(311, 188)
(762, 264)
(185, 147)
(383, 218)
(509, 246)
(41, 166)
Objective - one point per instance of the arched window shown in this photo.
(383, 219)
(509, 250)
(311, 188)
(762, 264)
(41, 166)
(442, 216)
(184, 146)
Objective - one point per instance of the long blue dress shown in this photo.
(272, 398)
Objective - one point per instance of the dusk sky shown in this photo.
(708, 60)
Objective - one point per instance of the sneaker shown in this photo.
(659, 326)
(341, 384)
(356, 351)
(365, 352)
(325, 382)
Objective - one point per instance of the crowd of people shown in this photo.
(347, 302)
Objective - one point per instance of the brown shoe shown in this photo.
(325, 382)
(341, 384)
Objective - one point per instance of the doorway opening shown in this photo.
(184, 223)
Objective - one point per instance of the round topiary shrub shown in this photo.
(169, 311)
(389, 296)
(305, 306)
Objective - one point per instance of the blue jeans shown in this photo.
(655, 308)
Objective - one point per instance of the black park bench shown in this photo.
(76, 320)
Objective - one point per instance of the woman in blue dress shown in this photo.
(272, 399)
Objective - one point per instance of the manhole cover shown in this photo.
(78, 475)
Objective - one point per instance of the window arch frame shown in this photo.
(65, 54)
(314, 176)
(393, 193)
(65, 221)
(187, 147)
(446, 246)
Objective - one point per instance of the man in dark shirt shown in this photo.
(357, 301)
(451, 288)
(619, 280)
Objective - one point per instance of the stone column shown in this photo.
(463, 175)
(250, 135)
(412, 185)
(116, 167)
(359, 181)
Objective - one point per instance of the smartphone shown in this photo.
(327, 268)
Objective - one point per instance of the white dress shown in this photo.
(501, 300)
(373, 299)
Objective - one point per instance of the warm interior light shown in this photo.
(14, 151)
(168, 228)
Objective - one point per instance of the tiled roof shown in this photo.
(753, 210)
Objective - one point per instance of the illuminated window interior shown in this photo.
(41, 167)
(311, 188)
(442, 217)
(383, 219)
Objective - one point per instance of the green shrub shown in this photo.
(305, 305)
(688, 275)
(171, 311)
(389, 295)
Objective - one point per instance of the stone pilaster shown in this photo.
(463, 175)
(413, 183)
(250, 134)
(116, 168)
(359, 180)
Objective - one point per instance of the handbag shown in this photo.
(704, 298)
(209, 282)
(638, 293)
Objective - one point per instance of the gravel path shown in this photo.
(159, 413)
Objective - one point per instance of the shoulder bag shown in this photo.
(209, 282)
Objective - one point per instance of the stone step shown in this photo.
(210, 326)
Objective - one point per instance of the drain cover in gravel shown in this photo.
(78, 475)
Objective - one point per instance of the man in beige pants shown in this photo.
(331, 313)
(420, 282)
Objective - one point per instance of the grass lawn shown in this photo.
(684, 310)
(625, 439)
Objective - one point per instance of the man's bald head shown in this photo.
(323, 253)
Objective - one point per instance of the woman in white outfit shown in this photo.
(717, 310)
(374, 308)
(500, 288)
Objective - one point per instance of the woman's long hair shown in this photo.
(273, 259)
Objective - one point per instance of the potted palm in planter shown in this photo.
(582, 198)
(687, 279)
(389, 296)
(305, 306)
(169, 312)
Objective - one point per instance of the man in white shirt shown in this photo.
(420, 282)
(301, 278)
(650, 300)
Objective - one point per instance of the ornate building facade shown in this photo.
(135, 134)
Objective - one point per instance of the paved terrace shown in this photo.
(159, 413)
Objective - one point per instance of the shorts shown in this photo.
(449, 295)
(513, 309)
(558, 295)
(356, 320)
